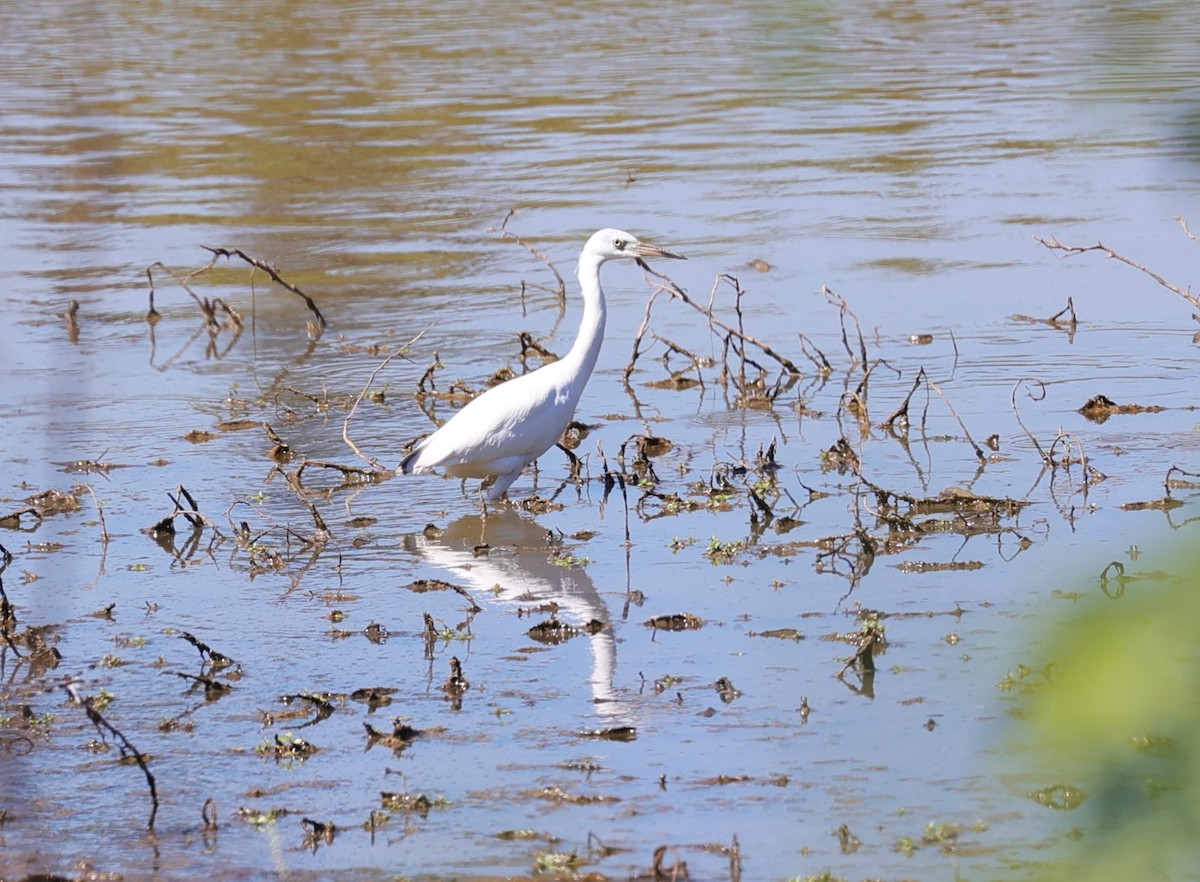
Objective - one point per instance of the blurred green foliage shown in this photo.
(1115, 726)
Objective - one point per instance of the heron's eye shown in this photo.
(620, 244)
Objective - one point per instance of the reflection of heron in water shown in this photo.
(519, 563)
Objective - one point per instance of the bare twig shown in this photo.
(667, 286)
(1040, 394)
(835, 299)
(1186, 293)
(901, 412)
(192, 510)
(823, 366)
(978, 450)
(645, 326)
(1168, 480)
(166, 526)
(208, 655)
(152, 314)
(104, 537)
(269, 270)
(425, 384)
(371, 379)
(8, 619)
(1053, 321)
(1089, 471)
(13, 518)
(123, 744)
(561, 289)
(350, 474)
(1069, 309)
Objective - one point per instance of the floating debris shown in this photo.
(614, 733)
(848, 843)
(374, 697)
(1063, 797)
(316, 832)
(779, 634)
(288, 747)
(553, 632)
(52, 502)
(841, 458)
(917, 566)
(401, 736)
(421, 586)
(675, 622)
(678, 381)
(405, 802)
(243, 425)
(321, 704)
(557, 794)
(1099, 408)
(526, 836)
(1166, 503)
(660, 873)
(456, 684)
(538, 505)
(726, 690)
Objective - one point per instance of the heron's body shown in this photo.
(509, 426)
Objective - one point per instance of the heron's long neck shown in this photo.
(586, 349)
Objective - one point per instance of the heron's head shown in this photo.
(612, 244)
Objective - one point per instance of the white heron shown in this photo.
(506, 428)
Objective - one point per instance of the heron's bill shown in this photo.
(644, 250)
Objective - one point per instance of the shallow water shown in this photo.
(904, 155)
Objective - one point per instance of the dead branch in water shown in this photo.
(1067, 440)
(1040, 394)
(835, 299)
(350, 474)
(667, 286)
(1169, 482)
(208, 656)
(163, 532)
(817, 357)
(1054, 321)
(901, 412)
(70, 315)
(123, 744)
(978, 450)
(400, 350)
(208, 307)
(211, 307)
(271, 271)
(1186, 293)
(8, 618)
(509, 235)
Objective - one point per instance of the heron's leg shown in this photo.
(498, 485)
(483, 499)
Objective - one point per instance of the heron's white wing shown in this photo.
(515, 422)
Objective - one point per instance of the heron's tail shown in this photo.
(409, 462)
